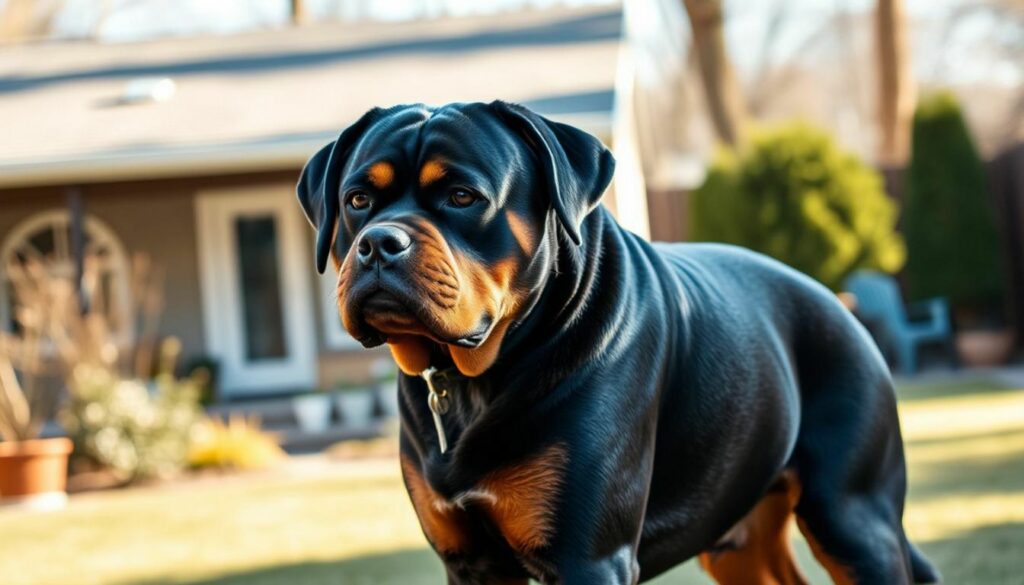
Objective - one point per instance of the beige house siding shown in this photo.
(161, 225)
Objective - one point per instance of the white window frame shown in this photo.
(223, 321)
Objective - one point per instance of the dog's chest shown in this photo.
(519, 500)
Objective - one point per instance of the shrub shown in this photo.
(953, 246)
(122, 424)
(238, 444)
(793, 194)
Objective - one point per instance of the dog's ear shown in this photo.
(577, 166)
(318, 188)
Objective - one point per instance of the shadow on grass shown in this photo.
(980, 462)
(970, 476)
(909, 391)
(990, 555)
(949, 441)
(403, 567)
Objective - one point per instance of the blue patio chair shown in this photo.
(879, 304)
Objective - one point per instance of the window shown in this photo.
(254, 278)
(260, 285)
(46, 238)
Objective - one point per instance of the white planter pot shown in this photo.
(356, 407)
(388, 393)
(313, 412)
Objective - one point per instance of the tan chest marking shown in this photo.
(525, 498)
(445, 526)
(520, 500)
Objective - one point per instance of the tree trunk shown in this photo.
(298, 11)
(16, 20)
(721, 90)
(896, 90)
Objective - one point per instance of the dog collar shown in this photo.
(438, 404)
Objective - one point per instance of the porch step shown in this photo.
(277, 416)
(273, 412)
(294, 440)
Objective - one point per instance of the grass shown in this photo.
(354, 526)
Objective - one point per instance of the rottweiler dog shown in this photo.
(580, 406)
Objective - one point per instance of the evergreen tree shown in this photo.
(953, 246)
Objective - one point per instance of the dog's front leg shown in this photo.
(618, 568)
(464, 571)
(599, 520)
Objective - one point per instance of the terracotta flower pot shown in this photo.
(34, 473)
(980, 347)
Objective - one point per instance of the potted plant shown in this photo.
(33, 470)
(355, 403)
(205, 371)
(312, 411)
(953, 244)
(385, 376)
(126, 415)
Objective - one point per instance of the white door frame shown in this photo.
(223, 319)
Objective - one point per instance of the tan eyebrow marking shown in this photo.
(381, 174)
(432, 170)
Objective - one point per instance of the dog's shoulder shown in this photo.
(734, 273)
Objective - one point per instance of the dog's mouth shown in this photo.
(379, 314)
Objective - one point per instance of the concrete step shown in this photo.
(277, 416)
(271, 411)
(295, 440)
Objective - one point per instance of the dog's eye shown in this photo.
(359, 200)
(462, 198)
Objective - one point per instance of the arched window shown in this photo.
(46, 238)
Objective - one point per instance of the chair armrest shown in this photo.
(936, 311)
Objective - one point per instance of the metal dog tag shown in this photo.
(438, 404)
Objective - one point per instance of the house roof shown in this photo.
(269, 99)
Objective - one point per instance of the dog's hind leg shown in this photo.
(757, 550)
(850, 463)
(921, 567)
(855, 543)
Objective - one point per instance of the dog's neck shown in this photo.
(565, 295)
(549, 314)
(546, 345)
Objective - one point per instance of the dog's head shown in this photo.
(438, 222)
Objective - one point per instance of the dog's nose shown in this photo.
(384, 243)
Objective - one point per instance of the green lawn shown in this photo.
(353, 525)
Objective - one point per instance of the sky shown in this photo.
(972, 51)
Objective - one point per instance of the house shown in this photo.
(188, 150)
